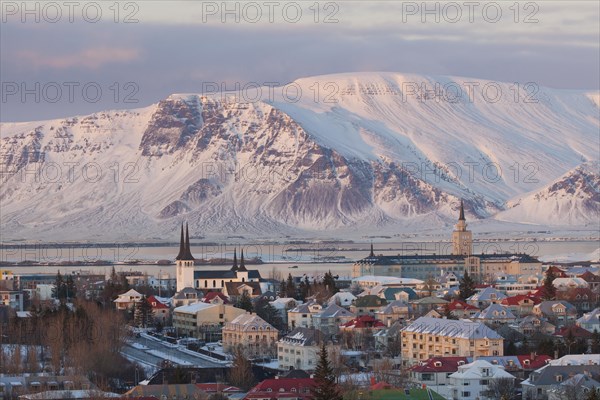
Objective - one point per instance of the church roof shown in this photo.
(227, 274)
(185, 254)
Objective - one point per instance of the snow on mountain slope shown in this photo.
(573, 199)
(374, 150)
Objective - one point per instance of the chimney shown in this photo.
(532, 356)
(556, 354)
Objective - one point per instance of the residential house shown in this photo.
(301, 316)
(397, 310)
(435, 373)
(424, 305)
(495, 314)
(127, 300)
(255, 336)
(592, 279)
(283, 305)
(12, 298)
(562, 284)
(358, 333)
(471, 381)
(161, 312)
(343, 299)
(435, 337)
(282, 388)
(546, 379)
(521, 305)
(204, 320)
(485, 297)
(234, 290)
(460, 309)
(186, 296)
(557, 312)
(583, 299)
(532, 324)
(590, 321)
(300, 348)
(367, 305)
(329, 319)
(576, 387)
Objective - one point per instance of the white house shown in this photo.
(590, 321)
(128, 299)
(471, 381)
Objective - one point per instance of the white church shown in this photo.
(203, 279)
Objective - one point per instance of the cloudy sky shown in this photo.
(55, 57)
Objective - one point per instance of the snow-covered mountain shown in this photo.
(573, 199)
(355, 152)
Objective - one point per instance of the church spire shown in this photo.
(187, 253)
(235, 264)
(461, 216)
(372, 254)
(181, 254)
(242, 266)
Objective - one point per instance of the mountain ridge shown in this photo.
(379, 154)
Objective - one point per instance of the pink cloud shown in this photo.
(92, 58)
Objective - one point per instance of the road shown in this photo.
(138, 350)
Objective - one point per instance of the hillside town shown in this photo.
(448, 326)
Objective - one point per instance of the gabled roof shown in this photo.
(575, 331)
(516, 300)
(495, 312)
(333, 311)
(369, 301)
(363, 322)
(429, 300)
(210, 296)
(488, 294)
(156, 303)
(282, 387)
(590, 277)
(440, 364)
(304, 337)
(460, 305)
(233, 288)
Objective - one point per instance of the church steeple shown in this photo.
(185, 254)
(372, 254)
(242, 267)
(234, 268)
(461, 216)
(181, 254)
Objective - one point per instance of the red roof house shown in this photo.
(282, 388)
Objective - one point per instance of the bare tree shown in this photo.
(501, 389)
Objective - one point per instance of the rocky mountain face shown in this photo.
(369, 160)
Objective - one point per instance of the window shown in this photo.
(484, 382)
(466, 394)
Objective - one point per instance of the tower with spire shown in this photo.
(185, 261)
(462, 239)
(242, 272)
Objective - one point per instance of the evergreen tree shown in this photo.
(245, 302)
(59, 291)
(70, 288)
(329, 282)
(325, 387)
(269, 313)
(548, 290)
(290, 288)
(282, 289)
(448, 313)
(142, 313)
(466, 287)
